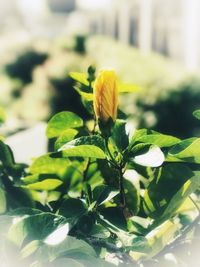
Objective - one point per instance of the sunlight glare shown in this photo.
(58, 235)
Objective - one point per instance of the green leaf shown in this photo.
(119, 135)
(138, 225)
(114, 219)
(30, 179)
(187, 150)
(137, 134)
(20, 212)
(6, 155)
(85, 151)
(70, 247)
(30, 248)
(45, 197)
(65, 137)
(169, 180)
(88, 192)
(47, 164)
(85, 95)
(196, 114)
(153, 158)
(53, 252)
(5, 223)
(132, 190)
(47, 185)
(94, 140)
(161, 140)
(186, 190)
(103, 194)
(79, 77)
(88, 105)
(86, 222)
(3, 204)
(99, 231)
(140, 244)
(72, 209)
(61, 122)
(19, 197)
(157, 239)
(35, 227)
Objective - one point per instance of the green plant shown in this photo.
(107, 193)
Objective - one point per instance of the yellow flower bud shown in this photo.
(106, 96)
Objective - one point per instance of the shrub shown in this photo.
(105, 194)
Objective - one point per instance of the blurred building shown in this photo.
(62, 6)
(169, 27)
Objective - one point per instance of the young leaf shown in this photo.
(85, 95)
(65, 137)
(79, 77)
(61, 122)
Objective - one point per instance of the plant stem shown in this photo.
(119, 252)
(85, 176)
(119, 168)
(121, 189)
(89, 161)
(108, 150)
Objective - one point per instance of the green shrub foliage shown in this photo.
(97, 199)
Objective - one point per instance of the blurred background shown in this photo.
(151, 43)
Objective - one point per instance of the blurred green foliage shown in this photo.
(24, 64)
(173, 109)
